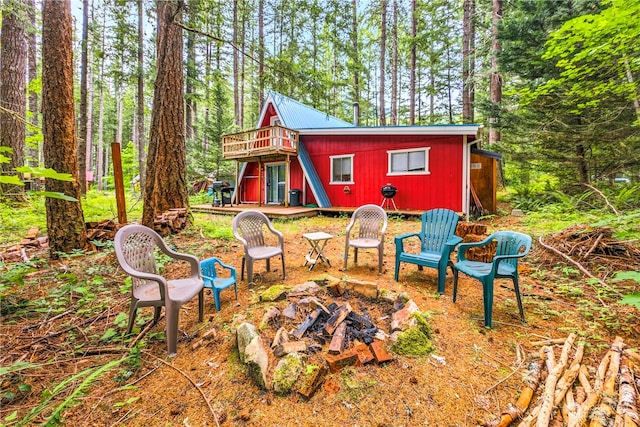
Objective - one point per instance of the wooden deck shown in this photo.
(291, 212)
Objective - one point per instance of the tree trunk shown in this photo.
(356, 63)
(496, 78)
(191, 65)
(166, 184)
(65, 220)
(140, 111)
(394, 66)
(383, 48)
(260, 54)
(236, 67)
(82, 120)
(412, 69)
(100, 149)
(13, 87)
(468, 61)
(35, 152)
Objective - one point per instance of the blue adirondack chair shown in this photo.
(437, 241)
(215, 283)
(510, 246)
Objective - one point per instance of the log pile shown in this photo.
(569, 397)
(591, 247)
(102, 231)
(472, 232)
(171, 221)
(30, 242)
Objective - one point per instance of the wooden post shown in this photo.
(287, 183)
(259, 182)
(237, 193)
(119, 182)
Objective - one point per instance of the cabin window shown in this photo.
(342, 169)
(409, 162)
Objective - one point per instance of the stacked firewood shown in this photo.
(472, 232)
(102, 231)
(18, 253)
(171, 221)
(569, 398)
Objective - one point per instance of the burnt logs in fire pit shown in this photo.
(339, 325)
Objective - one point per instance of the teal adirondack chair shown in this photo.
(510, 246)
(437, 241)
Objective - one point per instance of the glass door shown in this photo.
(275, 183)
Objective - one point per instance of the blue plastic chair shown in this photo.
(510, 246)
(215, 283)
(437, 242)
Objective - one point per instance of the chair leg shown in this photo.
(250, 270)
(283, 272)
(216, 298)
(355, 255)
(455, 284)
(380, 256)
(346, 257)
(132, 316)
(397, 272)
(268, 264)
(442, 277)
(242, 269)
(201, 305)
(516, 287)
(487, 296)
(172, 328)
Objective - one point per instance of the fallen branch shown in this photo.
(603, 196)
(579, 266)
(548, 397)
(215, 417)
(605, 411)
(513, 412)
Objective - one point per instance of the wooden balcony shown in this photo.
(264, 143)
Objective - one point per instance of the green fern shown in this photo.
(91, 375)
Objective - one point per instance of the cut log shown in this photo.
(337, 342)
(548, 396)
(290, 347)
(513, 412)
(308, 321)
(336, 318)
(605, 411)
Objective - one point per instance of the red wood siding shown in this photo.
(266, 121)
(440, 189)
(249, 187)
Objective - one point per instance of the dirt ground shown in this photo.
(470, 379)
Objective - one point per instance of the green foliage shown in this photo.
(86, 378)
(633, 298)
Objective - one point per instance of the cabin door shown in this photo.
(275, 183)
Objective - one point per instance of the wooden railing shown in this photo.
(263, 142)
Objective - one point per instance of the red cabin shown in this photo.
(302, 156)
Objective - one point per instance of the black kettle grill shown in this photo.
(388, 193)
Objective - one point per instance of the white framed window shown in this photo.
(409, 162)
(341, 169)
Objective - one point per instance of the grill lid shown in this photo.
(388, 191)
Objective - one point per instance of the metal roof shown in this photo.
(468, 129)
(296, 115)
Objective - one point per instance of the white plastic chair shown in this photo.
(249, 228)
(370, 222)
(135, 247)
